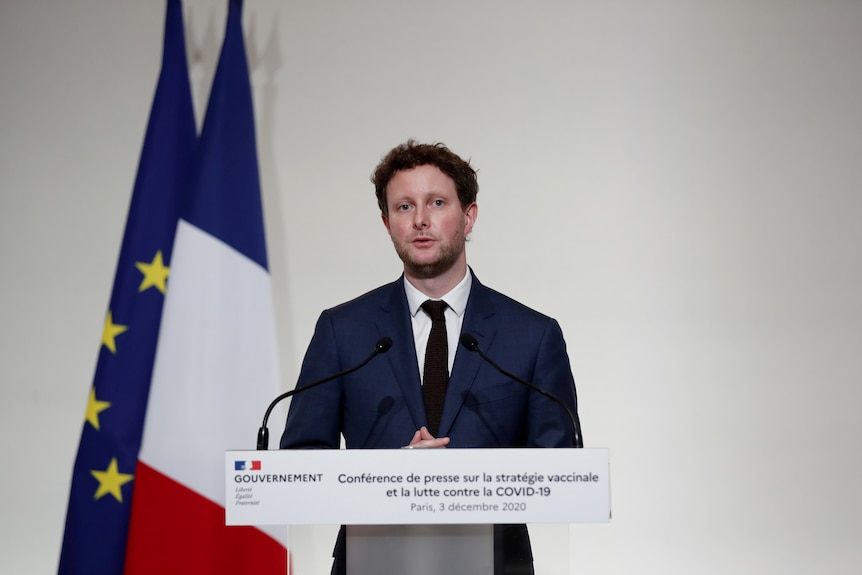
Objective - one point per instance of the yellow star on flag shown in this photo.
(155, 273)
(94, 408)
(111, 480)
(111, 331)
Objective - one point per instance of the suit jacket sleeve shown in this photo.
(548, 425)
(321, 407)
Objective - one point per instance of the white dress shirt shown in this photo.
(456, 299)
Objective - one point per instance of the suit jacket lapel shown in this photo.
(395, 323)
(479, 320)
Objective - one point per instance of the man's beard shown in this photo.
(449, 254)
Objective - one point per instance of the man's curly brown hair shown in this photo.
(411, 155)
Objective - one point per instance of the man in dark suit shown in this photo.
(427, 198)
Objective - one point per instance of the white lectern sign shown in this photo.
(417, 486)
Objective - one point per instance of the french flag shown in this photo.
(216, 360)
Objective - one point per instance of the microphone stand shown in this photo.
(472, 344)
(382, 346)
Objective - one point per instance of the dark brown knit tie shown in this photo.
(435, 377)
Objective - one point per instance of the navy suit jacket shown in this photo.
(381, 405)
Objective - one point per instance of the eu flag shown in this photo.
(103, 478)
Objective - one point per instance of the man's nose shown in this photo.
(420, 218)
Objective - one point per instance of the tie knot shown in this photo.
(435, 309)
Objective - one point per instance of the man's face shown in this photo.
(427, 225)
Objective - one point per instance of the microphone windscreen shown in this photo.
(383, 344)
(470, 342)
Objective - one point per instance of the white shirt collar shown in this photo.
(456, 299)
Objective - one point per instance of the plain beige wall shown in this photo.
(678, 183)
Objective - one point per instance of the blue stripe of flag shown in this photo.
(226, 202)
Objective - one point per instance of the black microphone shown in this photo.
(382, 346)
(472, 344)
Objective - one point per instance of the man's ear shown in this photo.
(386, 223)
(470, 215)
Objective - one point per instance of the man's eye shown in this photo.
(403, 207)
(438, 202)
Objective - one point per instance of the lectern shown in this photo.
(417, 511)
